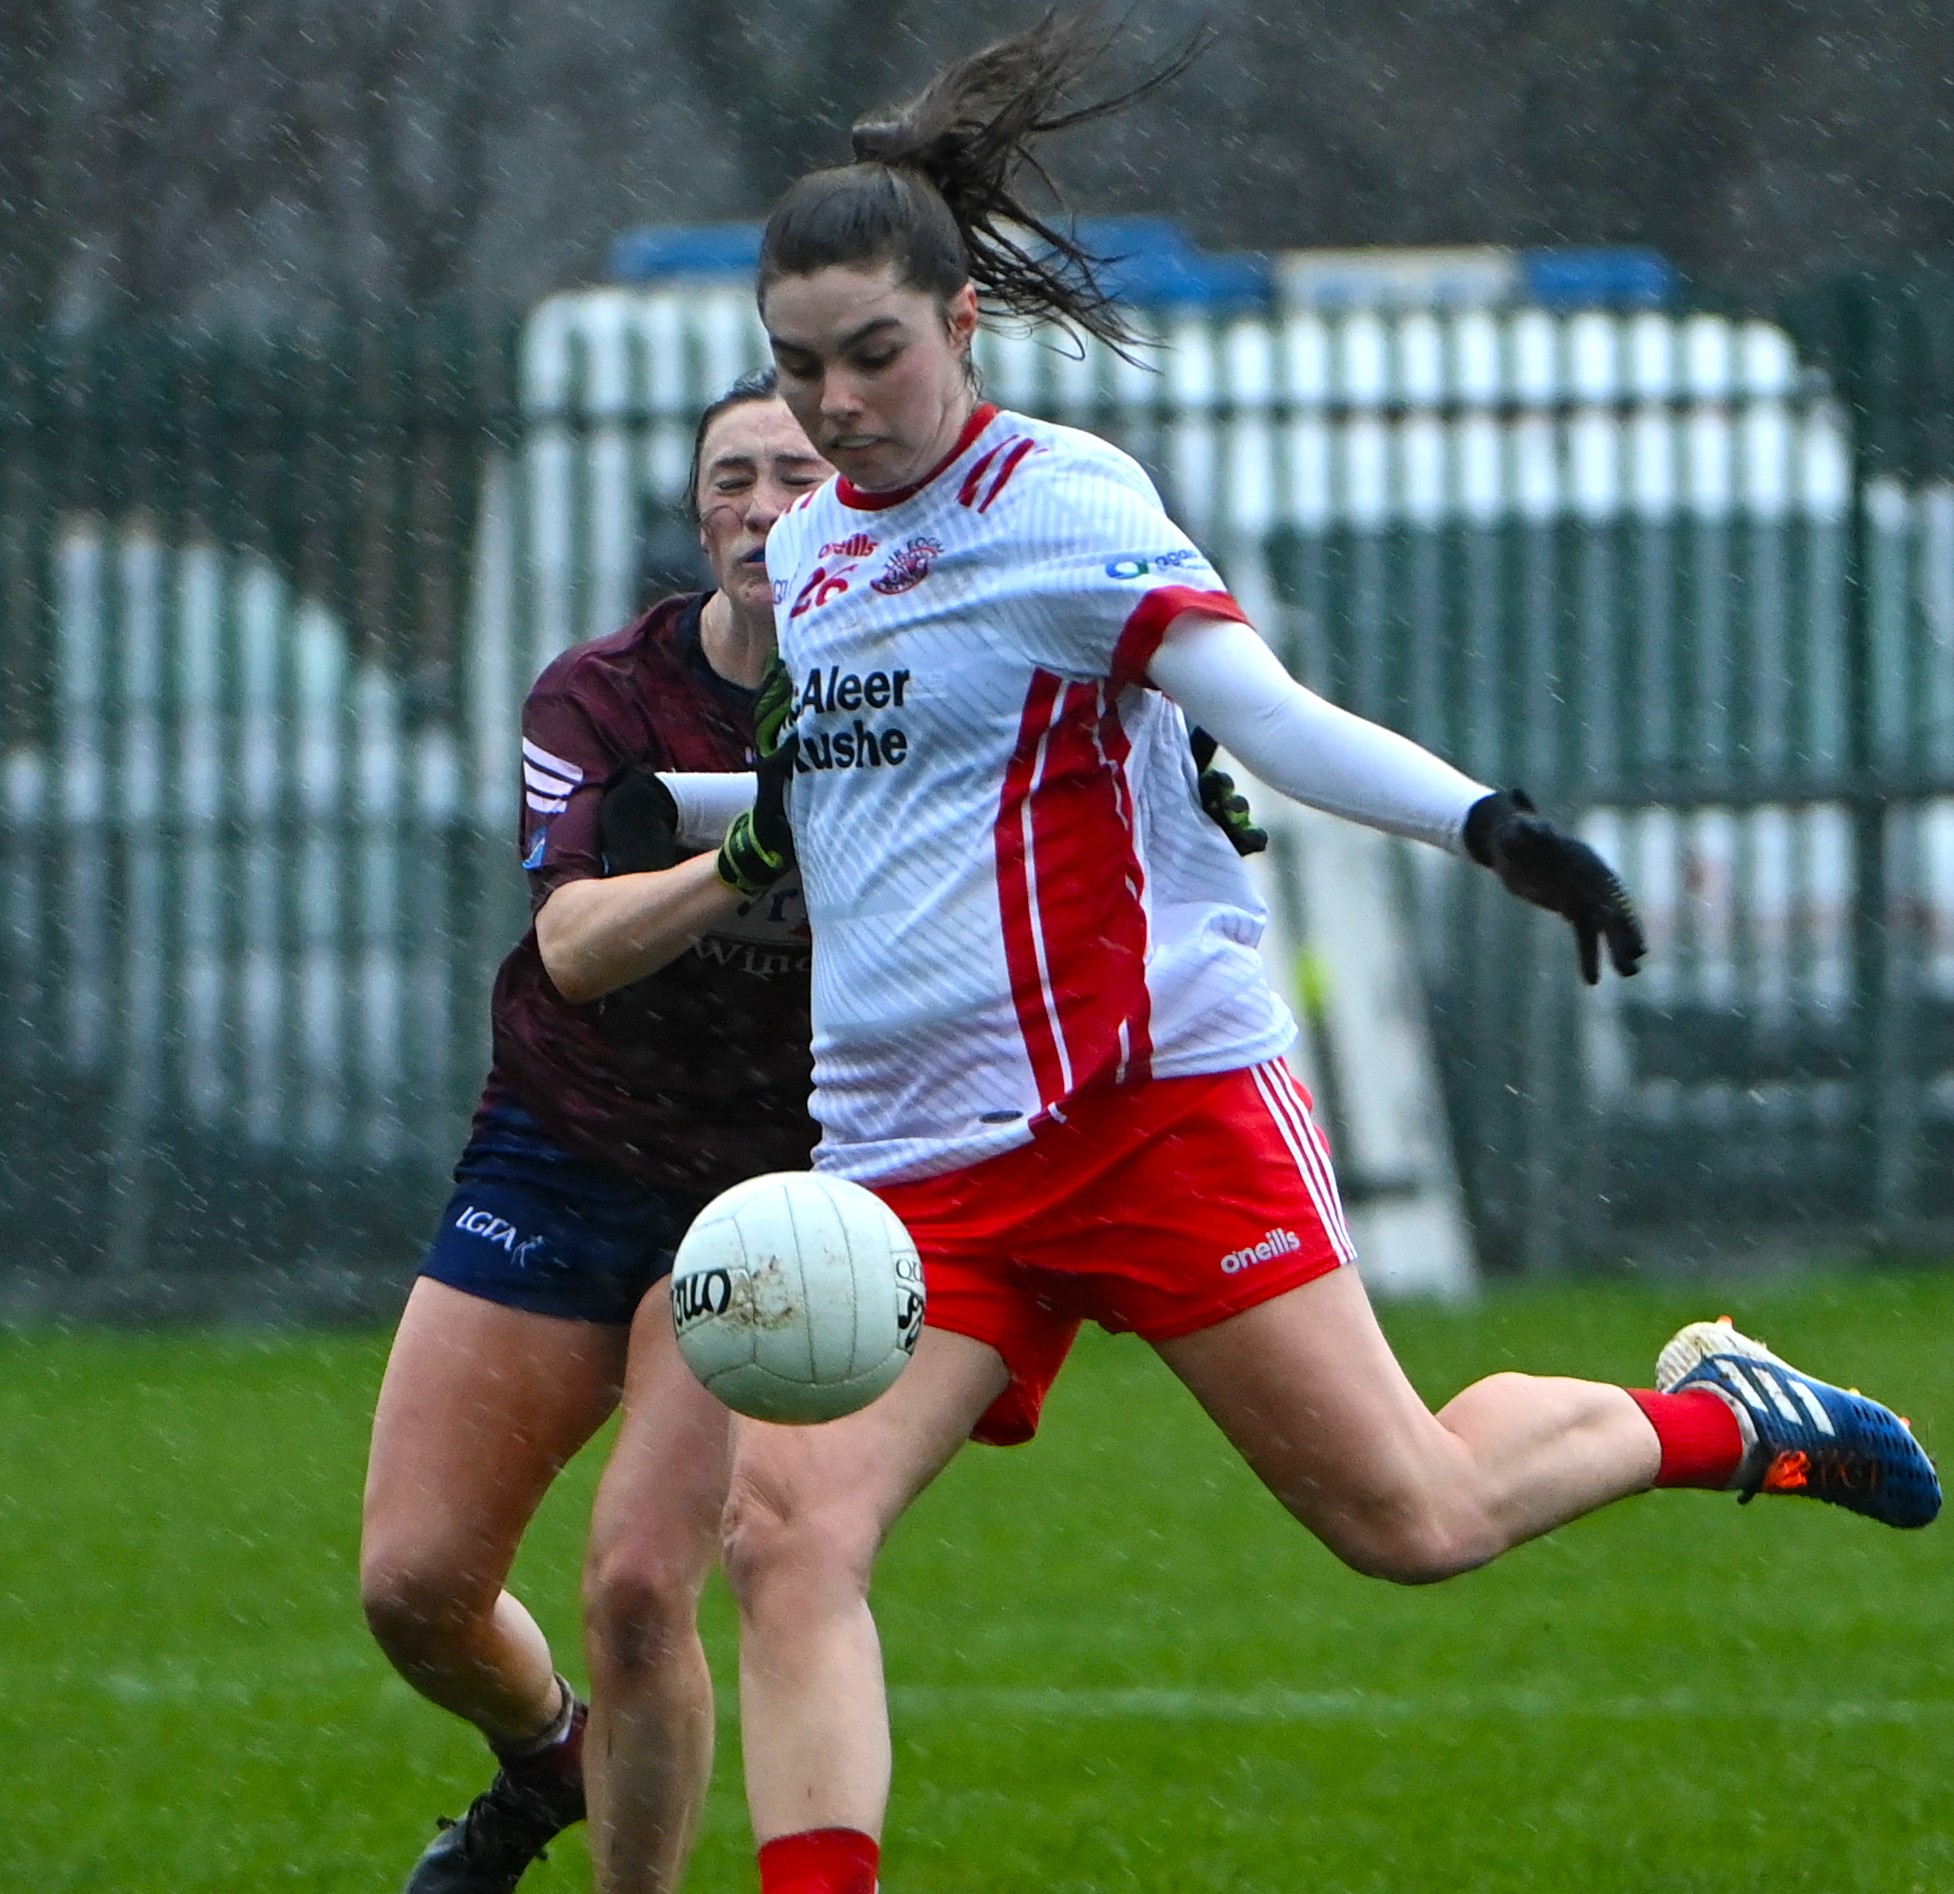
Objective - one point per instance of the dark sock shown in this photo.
(561, 1728)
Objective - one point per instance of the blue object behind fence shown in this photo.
(1153, 265)
(1600, 279)
(659, 252)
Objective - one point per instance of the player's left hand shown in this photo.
(1558, 872)
(773, 707)
(759, 847)
(637, 824)
(1225, 805)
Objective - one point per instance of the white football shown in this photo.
(797, 1297)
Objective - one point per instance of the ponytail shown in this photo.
(935, 186)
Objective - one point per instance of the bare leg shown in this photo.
(481, 1407)
(1307, 1389)
(654, 1537)
(808, 1511)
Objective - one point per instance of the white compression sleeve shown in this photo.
(1230, 684)
(707, 803)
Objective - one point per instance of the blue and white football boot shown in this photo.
(1804, 1436)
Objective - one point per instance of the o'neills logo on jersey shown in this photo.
(860, 745)
(855, 546)
(1276, 1243)
(908, 565)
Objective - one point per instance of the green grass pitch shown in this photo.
(1115, 1665)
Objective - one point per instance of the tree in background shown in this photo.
(244, 161)
(1758, 143)
(261, 164)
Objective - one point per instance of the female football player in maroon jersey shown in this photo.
(650, 1049)
(1042, 1032)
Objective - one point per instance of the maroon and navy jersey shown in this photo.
(696, 1076)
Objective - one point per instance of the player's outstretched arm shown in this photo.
(1226, 680)
(1230, 684)
(741, 813)
(707, 803)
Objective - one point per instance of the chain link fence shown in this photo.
(267, 616)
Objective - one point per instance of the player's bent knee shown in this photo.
(417, 1601)
(781, 1546)
(416, 1609)
(641, 1603)
(1418, 1548)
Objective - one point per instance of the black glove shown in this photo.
(1226, 807)
(637, 824)
(759, 847)
(1558, 872)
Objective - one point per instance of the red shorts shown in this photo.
(1162, 1209)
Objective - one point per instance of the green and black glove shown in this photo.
(1225, 805)
(759, 847)
(1558, 872)
(773, 707)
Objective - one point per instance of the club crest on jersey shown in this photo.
(855, 546)
(908, 565)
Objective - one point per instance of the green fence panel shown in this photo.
(244, 1016)
(267, 615)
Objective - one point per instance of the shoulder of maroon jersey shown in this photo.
(655, 627)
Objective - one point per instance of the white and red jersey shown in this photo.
(1013, 890)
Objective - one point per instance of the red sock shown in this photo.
(1702, 1445)
(820, 1861)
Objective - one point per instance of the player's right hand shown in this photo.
(1221, 802)
(1559, 872)
(637, 824)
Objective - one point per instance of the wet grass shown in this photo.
(1116, 1666)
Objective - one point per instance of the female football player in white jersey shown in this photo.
(1041, 1027)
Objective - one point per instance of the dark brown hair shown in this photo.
(935, 188)
(761, 385)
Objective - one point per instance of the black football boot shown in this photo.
(532, 1800)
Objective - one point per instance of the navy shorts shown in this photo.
(535, 1227)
